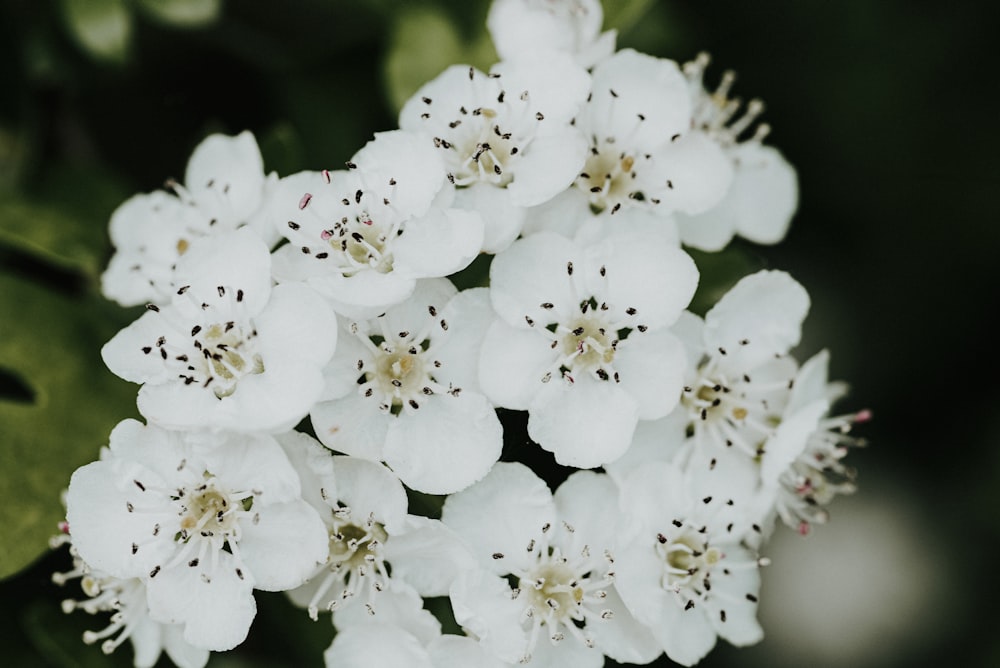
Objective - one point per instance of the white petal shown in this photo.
(297, 325)
(556, 86)
(764, 194)
(216, 614)
(651, 366)
(588, 502)
(584, 424)
(765, 309)
(502, 219)
(698, 170)
(428, 555)
(500, 515)
(230, 168)
(469, 315)
(398, 605)
(376, 645)
(352, 425)
(440, 243)
(450, 651)
(238, 261)
(446, 445)
(623, 638)
(548, 166)
(564, 214)
(482, 604)
(180, 651)
(369, 488)
(789, 440)
(283, 545)
(512, 363)
(410, 162)
(532, 272)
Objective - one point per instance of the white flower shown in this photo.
(505, 138)
(226, 189)
(402, 388)
(130, 620)
(801, 469)
(523, 29)
(764, 193)
(582, 339)
(741, 376)
(543, 592)
(201, 519)
(681, 568)
(363, 237)
(229, 352)
(364, 508)
(643, 153)
(402, 633)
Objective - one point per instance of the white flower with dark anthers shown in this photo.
(402, 633)
(643, 152)
(740, 378)
(681, 568)
(363, 237)
(201, 519)
(505, 138)
(582, 340)
(125, 599)
(536, 28)
(371, 535)
(801, 470)
(403, 389)
(229, 352)
(543, 592)
(764, 193)
(226, 189)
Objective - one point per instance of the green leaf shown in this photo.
(424, 43)
(70, 229)
(62, 409)
(622, 15)
(182, 13)
(102, 27)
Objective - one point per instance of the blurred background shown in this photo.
(885, 108)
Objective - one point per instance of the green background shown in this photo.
(887, 108)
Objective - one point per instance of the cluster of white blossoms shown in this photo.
(305, 359)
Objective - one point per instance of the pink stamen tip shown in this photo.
(803, 528)
(366, 221)
(64, 527)
(326, 175)
(325, 235)
(304, 202)
(862, 416)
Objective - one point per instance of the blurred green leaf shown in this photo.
(68, 230)
(622, 15)
(51, 344)
(102, 27)
(424, 43)
(182, 13)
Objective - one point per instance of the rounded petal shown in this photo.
(584, 424)
(765, 310)
(428, 555)
(548, 166)
(284, 545)
(764, 194)
(502, 219)
(351, 425)
(469, 315)
(369, 488)
(532, 272)
(376, 645)
(440, 243)
(512, 363)
(500, 515)
(698, 171)
(651, 367)
(446, 445)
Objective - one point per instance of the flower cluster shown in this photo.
(580, 173)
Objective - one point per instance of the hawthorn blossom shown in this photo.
(226, 189)
(201, 519)
(543, 592)
(505, 138)
(229, 351)
(643, 152)
(801, 470)
(363, 237)
(582, 338)
(740, 375)
(402, 633)
(374, 544)
(764, 193)
(125, 599)
(682, 568)
(524, 29)
(402, 388)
